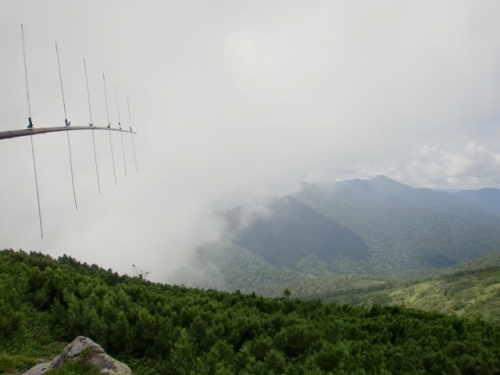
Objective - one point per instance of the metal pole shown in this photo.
(30, 126)
(92, 126)
(67, 123)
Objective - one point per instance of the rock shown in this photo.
(96, 356)
(39, 369)
(74, 349)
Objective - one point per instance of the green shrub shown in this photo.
(76, 368)
(15, 363)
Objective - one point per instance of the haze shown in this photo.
(233, 101)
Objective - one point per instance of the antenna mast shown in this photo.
(30, 126)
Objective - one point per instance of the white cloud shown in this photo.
(234, 101)
(456, 164)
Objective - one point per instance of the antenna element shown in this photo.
(30, 126)
(92, 126)
(109, 126)
(121, 135)
(131, 134)
(67, 123)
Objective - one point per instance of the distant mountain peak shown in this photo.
(384, 179)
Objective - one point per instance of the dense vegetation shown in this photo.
(159, 329)
(471, 289)
(467, 293)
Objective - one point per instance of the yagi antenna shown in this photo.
(131, 134)
(91, 124)
(66, 123)
(30, 126)
(109, 126)
(120, 126)
(31, 130)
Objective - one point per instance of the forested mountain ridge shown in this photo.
(488, 198)
(471, 289)
(407, 228)
(294, 231)
(162, 329)
(376, 226)
(474, 293)
(363, 227)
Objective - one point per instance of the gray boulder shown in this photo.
(39, 369)
(96, 356)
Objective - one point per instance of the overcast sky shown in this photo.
(232, 101)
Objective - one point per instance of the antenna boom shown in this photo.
(25, 132)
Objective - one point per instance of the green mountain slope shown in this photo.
(376, 226)
(487, 198)
(470, 292)
(163, 329)
(406, 228)
(293, 231)
(337, 234)
(229, 268)
(471, 289)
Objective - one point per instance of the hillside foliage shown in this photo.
(468, 293)
(471, 289)
(160, 329)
